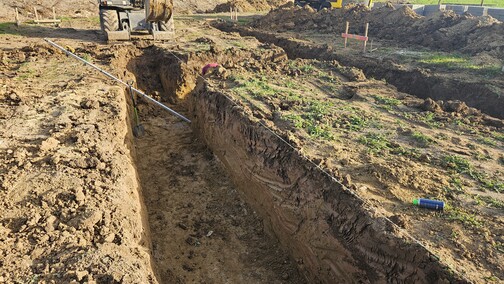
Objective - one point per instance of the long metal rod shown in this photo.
(118, 80)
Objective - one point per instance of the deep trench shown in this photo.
(201, 229)
(228, 201)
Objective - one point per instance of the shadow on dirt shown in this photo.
(51, 32)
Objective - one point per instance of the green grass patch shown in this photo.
(422, 139)
(256, 87)
(328, 77)
(356, 122)
(7, 28)
(315, 120)
(486, 141)
(457, 163)
(289, 84)
(386, 101)
(429, 118)
(498, 136)
(462, 166)
(489, 201)
(376, 143)
(457, 62)
(466, 218)
(307, 68)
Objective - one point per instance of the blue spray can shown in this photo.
(429, 204)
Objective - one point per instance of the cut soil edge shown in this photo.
(416, 81)
(332, 232)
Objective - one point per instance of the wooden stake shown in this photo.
(17, 18)
(346, 32)
(54, 13)
(36, 14)
(231, 12)
(236, 14)
(365, 34)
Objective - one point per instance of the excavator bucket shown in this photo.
(158, 10)
(159, 13)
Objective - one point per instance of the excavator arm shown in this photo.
(158, 10)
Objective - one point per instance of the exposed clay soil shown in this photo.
(442, 31)
(225, 199)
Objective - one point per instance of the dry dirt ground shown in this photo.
(72, 208)
(82, 200)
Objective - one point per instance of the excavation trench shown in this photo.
(202, 231)
(415, 81)
(229, 201)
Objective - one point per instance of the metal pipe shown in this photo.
(118, 80)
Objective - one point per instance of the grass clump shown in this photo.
(462, 166)
(386, 101)
(498, 136)
(307, 68)
(429, 118)
(457, 163)
(422, 139)
(7, 28)
(467, 219)
(256, 87)
(353, 122)
(376, 143)
(490, 201)
(487, 141)
(454, 62)
(314, 120)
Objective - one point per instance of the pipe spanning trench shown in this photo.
(152, 100)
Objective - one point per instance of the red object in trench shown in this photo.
(208, 66)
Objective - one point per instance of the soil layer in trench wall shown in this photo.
(323, 225)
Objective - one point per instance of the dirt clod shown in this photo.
(430, 105)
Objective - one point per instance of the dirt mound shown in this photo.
(444, 30)
(191, 6)
(248, 6)
(89, 8)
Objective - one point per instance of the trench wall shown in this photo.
(331, 233)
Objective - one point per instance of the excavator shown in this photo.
(338, 4)
(119, 18)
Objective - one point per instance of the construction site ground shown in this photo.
(83, 200)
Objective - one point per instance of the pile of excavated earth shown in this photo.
(444, 30)
(248, 6)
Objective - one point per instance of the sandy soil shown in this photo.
(69, 193)
(74, 208)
